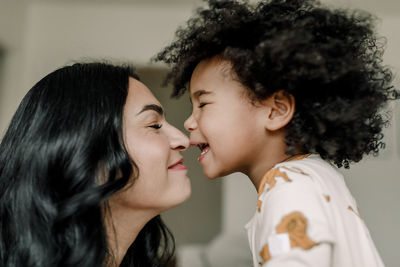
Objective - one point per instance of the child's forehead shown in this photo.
(211, 70)
(215, 77)
(216, 87)
(216, 63)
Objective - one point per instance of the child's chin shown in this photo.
(212, 175)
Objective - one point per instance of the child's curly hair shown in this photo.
(329, 60)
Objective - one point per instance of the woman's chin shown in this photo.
(180, 197)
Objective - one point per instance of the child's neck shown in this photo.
(269, 161)
(272, 153)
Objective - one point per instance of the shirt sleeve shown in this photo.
(293, 225)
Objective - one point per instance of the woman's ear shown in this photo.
(280, 110)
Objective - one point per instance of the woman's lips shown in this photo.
(177, 166)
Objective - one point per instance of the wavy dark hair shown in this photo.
(330, 60)
(65, 133)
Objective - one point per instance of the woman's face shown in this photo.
(155, 146)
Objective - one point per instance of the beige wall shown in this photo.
(12, 36)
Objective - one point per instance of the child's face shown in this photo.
(227, 128)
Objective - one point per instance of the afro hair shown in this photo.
(330, 60)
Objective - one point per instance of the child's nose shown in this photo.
(190, 123)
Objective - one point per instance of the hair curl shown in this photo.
(330, 60)
(65, 133)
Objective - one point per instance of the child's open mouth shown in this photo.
(204, 149)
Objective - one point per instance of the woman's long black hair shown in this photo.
(65, 133)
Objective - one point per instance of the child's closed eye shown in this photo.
(202, 105)
(156, 126)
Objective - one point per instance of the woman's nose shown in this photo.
(178, 140)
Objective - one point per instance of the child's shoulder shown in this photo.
(299, 173)
(310, 165)
(308, 161)
(306, 165)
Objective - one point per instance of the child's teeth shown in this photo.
(204, 151)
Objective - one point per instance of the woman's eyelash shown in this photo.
(202, 105)
(156, 126)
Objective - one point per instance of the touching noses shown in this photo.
(190, 123)
(178, 140)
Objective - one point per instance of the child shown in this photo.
(281, 91)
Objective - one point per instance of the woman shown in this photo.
(86, 166)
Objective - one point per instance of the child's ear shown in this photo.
(280, 109)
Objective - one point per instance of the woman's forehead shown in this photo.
(139, 95)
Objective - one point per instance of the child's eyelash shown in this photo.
(202, 105)
(156, 126)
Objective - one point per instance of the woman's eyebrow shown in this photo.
(153, 107)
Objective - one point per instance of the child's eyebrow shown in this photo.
(199, 93)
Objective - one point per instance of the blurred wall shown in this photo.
(12, 36)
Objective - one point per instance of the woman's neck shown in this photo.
(123, 226)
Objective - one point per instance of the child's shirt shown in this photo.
(307, 217)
